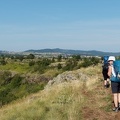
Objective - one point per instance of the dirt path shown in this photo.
(99, 104)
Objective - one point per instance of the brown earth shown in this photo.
(99, 104)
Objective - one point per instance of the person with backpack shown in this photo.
(105, 71)
(115, 82)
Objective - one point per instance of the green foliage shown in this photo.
(30, 56)
(70, 64)
(8, 87)
(6, 96)
(53, 59)
(3, 62)
(95, 60)
(89, 61)
(118, 58)
(59, 66)
(5, 77)
(77, 57)
(32, 88)
(13, 88)
(16, 81)
(59, 58)
(31, 63)
(42, 65)
(20, 57)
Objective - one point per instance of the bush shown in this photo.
(59, 66)
(3, 62)
(70, 64)
(42, 65)
(30, 56)
(16, 81)
(5, 77)
(31, 63)
(89, 61)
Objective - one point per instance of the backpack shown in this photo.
(105, 63)
(116, 65)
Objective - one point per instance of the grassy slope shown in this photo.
(17, 67)
(67, 101)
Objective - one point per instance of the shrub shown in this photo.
(31, 63)
(59, 66)
(16, 81)
(5, 77)
(70, 64)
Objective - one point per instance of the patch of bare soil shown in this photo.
(98, 105)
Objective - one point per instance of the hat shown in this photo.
(111, 58)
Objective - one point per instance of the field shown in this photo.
(75, 100)
(75, 94)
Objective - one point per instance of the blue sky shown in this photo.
(65, 24)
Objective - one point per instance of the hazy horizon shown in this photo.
(58, 48)
(65, 24)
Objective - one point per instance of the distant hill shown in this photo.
(67, 51)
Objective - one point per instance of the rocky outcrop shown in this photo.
(68, 77)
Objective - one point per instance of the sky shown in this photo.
(65, 24)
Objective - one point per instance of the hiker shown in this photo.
(105, 71)
(115, 85)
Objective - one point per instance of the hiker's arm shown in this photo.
(109, 71)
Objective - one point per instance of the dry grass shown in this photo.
(52, 72)
(76, 100)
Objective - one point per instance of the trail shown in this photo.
(99, 104)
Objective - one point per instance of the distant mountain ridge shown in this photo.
(73, 52)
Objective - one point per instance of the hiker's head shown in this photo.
(111, 59)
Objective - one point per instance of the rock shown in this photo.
(68, 77)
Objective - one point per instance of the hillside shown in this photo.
(73, 95)
(58, 51)
(72, 52)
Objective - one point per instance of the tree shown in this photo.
(77, 57)
(59, 66)
(59, 58)
(53, 59)
(70, 64)
(3, 62)
(30, 56)
(31, 63)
